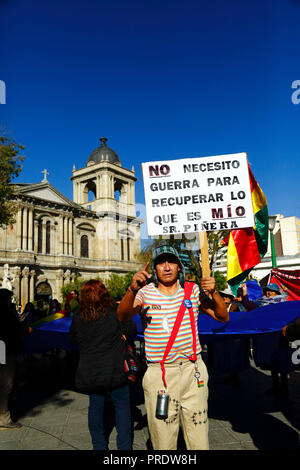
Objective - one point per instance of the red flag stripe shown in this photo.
(246, 247)
(253, 182)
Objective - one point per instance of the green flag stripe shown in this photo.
(261, 230)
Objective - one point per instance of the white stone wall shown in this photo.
(290, 234)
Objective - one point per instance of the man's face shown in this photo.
(271, 293)
(167, 269)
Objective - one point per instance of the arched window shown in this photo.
(122, 249)
(84, 246)
(40, 236)
(128, 249)
(48, 228)
(117, 190)
(89, 192)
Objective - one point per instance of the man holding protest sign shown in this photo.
(176, 381)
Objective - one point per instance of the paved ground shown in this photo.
(243, 417)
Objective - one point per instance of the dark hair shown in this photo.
(94, 299)
(29, 307)
(57, 304)
(5, 296)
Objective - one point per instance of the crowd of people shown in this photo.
(43, 308)
(169, 307)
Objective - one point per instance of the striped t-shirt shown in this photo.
(163, 310)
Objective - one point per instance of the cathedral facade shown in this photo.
(55, 239)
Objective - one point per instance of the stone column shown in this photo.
(24, 285)
(31, 286)
(74, 191)
(17, 273)
(66, 239)
(60, 235)
(77, 243)
(132, 200)
(106, 239)
(78, 191)
(59, 282)
(19, 229)
(44, 237)
(52, 240)
(112, 186)
(25, 229)
(30, 230)
(79, 197)
(99, 186)
(35, 236)
(70, 231)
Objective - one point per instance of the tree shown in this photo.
(117, 285)
(10, 168)
(220, 279)
(73, 285)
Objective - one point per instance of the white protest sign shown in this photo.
(198, 194)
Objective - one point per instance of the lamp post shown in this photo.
(272, 222)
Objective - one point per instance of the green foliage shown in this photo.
(73, 285)
(10, 168)
(117, 285)
(220, 279)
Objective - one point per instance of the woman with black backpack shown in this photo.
(96, 330)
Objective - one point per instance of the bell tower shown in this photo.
(108, 189)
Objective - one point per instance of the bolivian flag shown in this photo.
(247, 246)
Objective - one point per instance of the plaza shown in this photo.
(54, 415)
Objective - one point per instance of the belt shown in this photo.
(179, 362)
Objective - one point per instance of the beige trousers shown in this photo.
(187, 405)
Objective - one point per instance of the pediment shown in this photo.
(126, 233)
(85, 226)
(46, 193)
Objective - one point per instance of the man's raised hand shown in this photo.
(208, 284)
(140, 279)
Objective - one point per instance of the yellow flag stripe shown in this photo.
(258, 199)
(53, 316)
(233, 265)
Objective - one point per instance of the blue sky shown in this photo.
(160, 79)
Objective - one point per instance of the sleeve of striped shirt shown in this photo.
(195, 296)
(140, 297)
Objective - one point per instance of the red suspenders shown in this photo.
(186, 303)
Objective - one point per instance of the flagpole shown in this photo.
(204, 254)
(272, 222)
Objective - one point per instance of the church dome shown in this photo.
(103, 154)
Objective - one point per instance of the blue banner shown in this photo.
(268, 319)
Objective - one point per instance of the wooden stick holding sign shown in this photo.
(204, 254)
